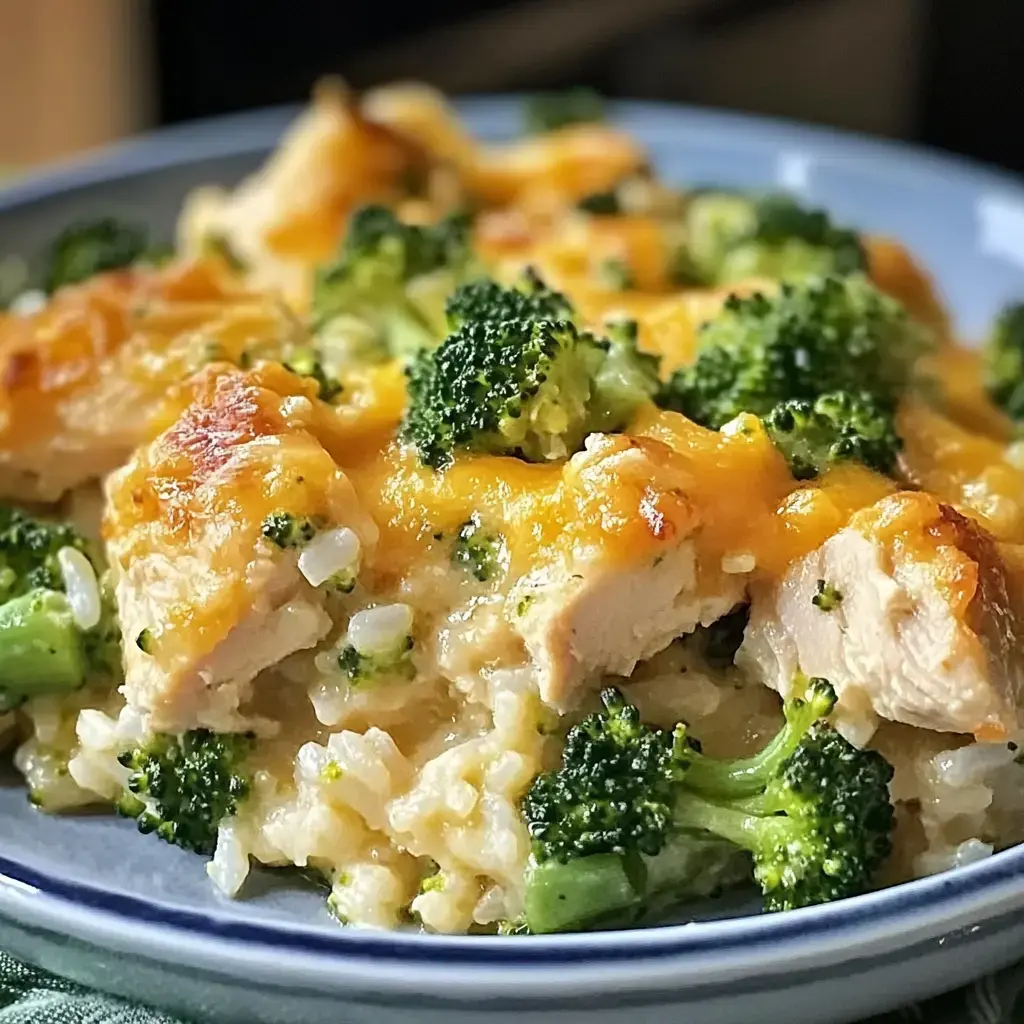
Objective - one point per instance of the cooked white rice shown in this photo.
(81, 586)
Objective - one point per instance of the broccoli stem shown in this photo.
(747, 823)
(735, 779)
(608, 889)
(41, 648)
(579, 893)
(736, 824)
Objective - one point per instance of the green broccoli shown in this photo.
(534, 389)
(812, 809)
(546, 112)
(433, 880)
(614, 827)
(827, 597)
(378, 645)
(615, 789)
(1004, 361)
(306, 363)
(815, 336)
(484, 300)
(183, 787)
(614, 274)
(839, 426)
(290, 531)
(730, 236)
(103, 642)
(364, 667)
(479, 552)
(42, 649)
(394, 277)
(28, 552)
(601, 204)
(608, 890)
(92, 247)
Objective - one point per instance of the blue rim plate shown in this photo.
(966, 222)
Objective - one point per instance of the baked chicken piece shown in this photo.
(910, 611)
(226, 535)
(81, 378)
(623, 589)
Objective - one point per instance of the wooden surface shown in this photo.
(73, 73)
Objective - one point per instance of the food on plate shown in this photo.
(508, 539)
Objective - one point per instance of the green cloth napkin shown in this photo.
(29, 996)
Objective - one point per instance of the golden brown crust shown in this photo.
(78, 378)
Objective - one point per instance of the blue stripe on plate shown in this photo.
(745, 933)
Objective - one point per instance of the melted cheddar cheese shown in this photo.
(242, 448)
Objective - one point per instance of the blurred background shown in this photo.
(77, 73)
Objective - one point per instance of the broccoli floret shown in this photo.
(92, 247)
(289, 531)
(827, 597)
(546, 112)
(534, 389)
(28, 552)
(731, 236)
(614, 791)
(306, 363)
(485, 300)
(378, 645)
(42, 649)
(601, 204)
(819, 335)
(626, 378)
(479, 552)
(365, 667)
(837, 427)
(102, 643)
(183, 787)
(625, 823)
(395, 277)
(614, 274)
(1004, 361)
(813, 810)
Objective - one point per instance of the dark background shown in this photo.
(944, 72)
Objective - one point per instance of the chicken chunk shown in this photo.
(607, 601)
(290, 215)
(80, 379)
(206, 599)
(910, 611)
(540, 173)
